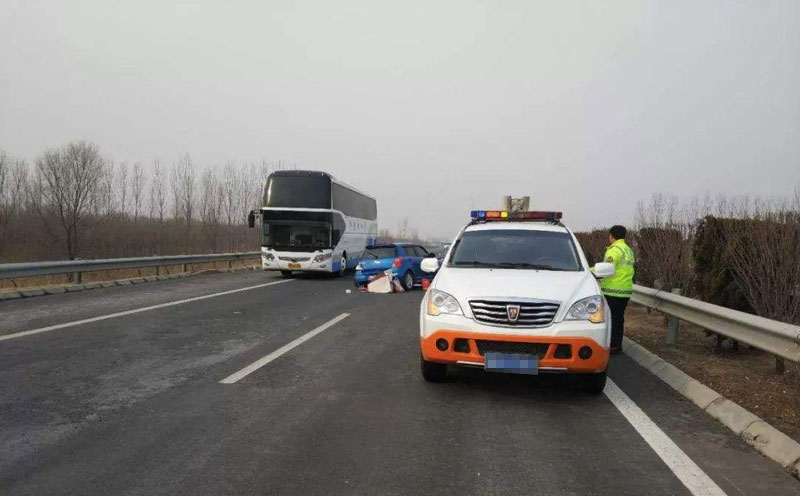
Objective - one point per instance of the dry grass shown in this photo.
(746, 376)
(109, 275)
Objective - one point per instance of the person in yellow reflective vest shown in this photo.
(618, 288)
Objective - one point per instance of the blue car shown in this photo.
(402, 259)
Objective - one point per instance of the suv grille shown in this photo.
(295, 259)
(531, 313)
(538, 349)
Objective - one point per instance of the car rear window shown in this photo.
(380, 252)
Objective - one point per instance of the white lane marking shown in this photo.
(282, 350)
(692, 476)
(136, 310)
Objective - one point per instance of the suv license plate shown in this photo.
(294, 265)
(512, 363)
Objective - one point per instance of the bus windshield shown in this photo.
(305, 191)
(297, 236)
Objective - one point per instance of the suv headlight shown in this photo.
(322, 257)
(269, 256)
(359, 267)
(591, 309)
(440, 302)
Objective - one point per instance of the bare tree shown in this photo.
(183, 188)
(663, 244)
(67, 178)
(211, 195)
(105, 195)
(13, 181)
(231, 184)
(763, 251)
(137, 186)
(158, 196)
(122, 188)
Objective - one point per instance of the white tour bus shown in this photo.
(312, 222)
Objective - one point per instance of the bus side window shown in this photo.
(338, 229)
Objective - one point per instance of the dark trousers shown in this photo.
(617, 306)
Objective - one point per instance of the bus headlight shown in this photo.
(440, 302)
(322, 257)
(591, 309)
(269, 256)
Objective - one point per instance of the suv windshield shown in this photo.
(516, 249)
(380, 252)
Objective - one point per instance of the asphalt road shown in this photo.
(129, 401)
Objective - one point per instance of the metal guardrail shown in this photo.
(778, 338)
(29, 269)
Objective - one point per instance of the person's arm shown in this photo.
(613, 255)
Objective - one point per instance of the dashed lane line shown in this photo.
(231, 379)
(135, 311)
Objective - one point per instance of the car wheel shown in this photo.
(432, 371)
(594, 383)
(286, 273)
(408, 281)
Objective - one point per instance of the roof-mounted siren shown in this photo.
(511, 204)
(501, 215)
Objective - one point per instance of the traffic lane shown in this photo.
(53, 384)
(361, 420)
(735, 466)
(40, 311)
(148, 446)
(347, 412)
(300, 429)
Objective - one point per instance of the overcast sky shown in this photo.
(431, 106)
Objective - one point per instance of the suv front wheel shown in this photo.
(432, 371)
(594, 383)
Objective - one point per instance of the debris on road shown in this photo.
(384, 283)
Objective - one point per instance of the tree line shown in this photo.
(72, 202)
(741, 253)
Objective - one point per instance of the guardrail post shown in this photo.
(158, 270)
(780, 365)
(185, 266)
(673, 324)
(77, 277)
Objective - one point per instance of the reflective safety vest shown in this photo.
(621, 283)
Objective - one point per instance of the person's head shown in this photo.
(616, 233)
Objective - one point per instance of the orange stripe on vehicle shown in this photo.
(596, 363)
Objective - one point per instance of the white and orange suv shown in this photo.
(515, 294)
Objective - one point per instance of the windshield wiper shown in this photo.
(473, 263)
(525, 265)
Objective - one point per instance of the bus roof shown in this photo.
(319, 173)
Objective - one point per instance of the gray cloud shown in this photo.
(586, 106)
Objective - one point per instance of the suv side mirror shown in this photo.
(429, 265)
(603, 269)
(251, 219)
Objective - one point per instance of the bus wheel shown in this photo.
(342, 265)
(286, 273)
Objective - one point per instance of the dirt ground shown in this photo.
(108, 275)
(746, 376)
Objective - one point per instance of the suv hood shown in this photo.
(564, 287)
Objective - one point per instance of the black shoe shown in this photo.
(616, 351)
